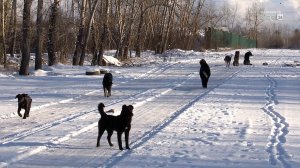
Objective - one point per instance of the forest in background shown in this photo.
(68, 30)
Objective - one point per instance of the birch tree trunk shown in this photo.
(12, 28)
(127, 38)
(195, 26)
(104, 33)
(87, 34)
(80, 35)
(165, 34)
(53, 60)
(38, 52)
(25, 46)
(2, 35)
(139, 31)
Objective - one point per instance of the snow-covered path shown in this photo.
(246, 118)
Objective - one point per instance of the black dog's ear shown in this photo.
(17, 96)
(24, 95)
(100, 105)
(124, 107)
(130, 107)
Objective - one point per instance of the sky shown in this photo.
(290, 10)
(247, 117)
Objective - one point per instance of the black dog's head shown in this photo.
(101, 107)
(249, 53)
(202, 62)
(130, 108)
(21, 97)
(127, 111)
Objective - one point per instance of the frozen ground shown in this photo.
(247, 117)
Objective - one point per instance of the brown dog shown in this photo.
(24, 102)
(110, 123)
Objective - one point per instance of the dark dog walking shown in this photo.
(204, 73)
(236, 58)
(24, 102)
(227, 60)
(110, 123)
(107, 83)
(247, 58)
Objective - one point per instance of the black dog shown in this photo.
(247, 58)
(236, 58)
(107, 83)
(204, 73)
(110, 123)
(227, 60)
(24, 102)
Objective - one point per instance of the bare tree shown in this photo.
(230, 15)
(139, 30)
(80, 35)
(295, 39)
(123, 25)
(254, 18)
(12, 28)
(2, 34)
(104, 32)
(39, 29)
(25, 46)
(93, 7)
(52, 60)
(194, 25)
(166, 29)
(124, 48)
(121, 10)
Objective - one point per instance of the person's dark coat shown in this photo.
(204, 73)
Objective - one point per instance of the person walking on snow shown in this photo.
(204, 73)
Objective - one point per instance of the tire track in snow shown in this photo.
(279, 130)
(71, 134)
(150, 134)
(13, 137)
(36, 109)
(66, 137)
(16, 136)
(34, 151)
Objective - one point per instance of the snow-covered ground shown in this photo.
(247, 117)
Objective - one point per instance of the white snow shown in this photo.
(112, 60)
(247, 117)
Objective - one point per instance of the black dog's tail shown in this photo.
(101, 109)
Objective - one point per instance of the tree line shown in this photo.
(68, 30)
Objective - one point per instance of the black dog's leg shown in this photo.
(104, 89)
(19, 110)
(109, 91)
(109, 134)
(120, 140)
(204, 81)
(29, 106)
(25, 114)
(127, 137)
(100, 133)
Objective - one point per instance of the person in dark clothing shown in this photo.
(204, 73)
(247, 58)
